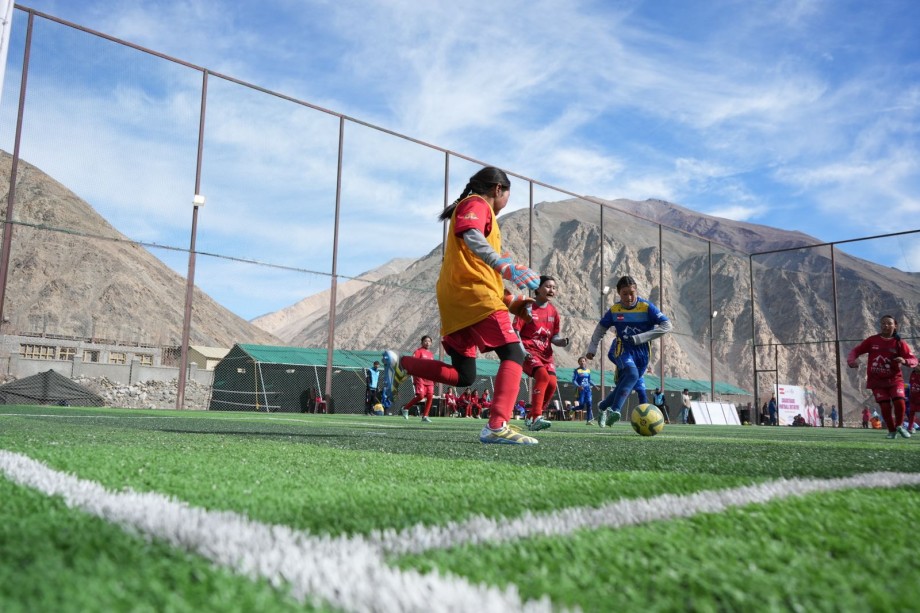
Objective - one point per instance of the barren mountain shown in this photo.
(73, 274)
(287, 323)
(793, 294)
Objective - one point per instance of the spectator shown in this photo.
(659, 401)
(834, 415)
(865, 417)
(450, 402)
(371, 380)
(821, 414)
(685, 406)
(771, 409)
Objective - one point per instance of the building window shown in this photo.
(37, 352)
(118, 357)
(67, 353)
(90, 356)
(145, 359)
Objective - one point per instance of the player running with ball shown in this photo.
(637, 322)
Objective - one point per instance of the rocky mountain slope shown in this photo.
(288, 322)
(71, 273)
(792, 294)
(65, 283)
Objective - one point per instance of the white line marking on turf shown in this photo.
(479, 529)
(348, 573)
(351, 572)
(258, 418)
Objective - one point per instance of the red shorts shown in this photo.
(888, 392)
(424, 387)
(532, 363)
(485, 335)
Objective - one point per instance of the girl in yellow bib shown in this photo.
(472, 302)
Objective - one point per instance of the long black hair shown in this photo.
(480, 183)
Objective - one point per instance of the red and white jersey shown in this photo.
(537, 333)
(882, 370)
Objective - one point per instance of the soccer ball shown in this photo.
(647, 420)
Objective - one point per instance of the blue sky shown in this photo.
(802, 115)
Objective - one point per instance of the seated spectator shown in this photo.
(474, 407)
(463, 404)
(450, 402)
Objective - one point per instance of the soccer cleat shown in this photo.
(537, 424)
(903, 432)
(405, 414)
(393, 373)
(426, 419)
(612, 417)
(891, 435)
(913, 429)
(506, 435)
(602, 419)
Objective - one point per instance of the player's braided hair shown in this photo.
(626, 281)
(480, 183)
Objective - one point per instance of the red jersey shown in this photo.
(422, 354)
(537, 333)
(883, 371)
(914, 388)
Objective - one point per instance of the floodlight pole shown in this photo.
(7, 243)
(712, 317)
(333, 283)
(604, 291)
(197, 201)
(837, 343)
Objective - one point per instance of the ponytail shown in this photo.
(480, 184)
(449, 209)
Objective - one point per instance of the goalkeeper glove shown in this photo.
(521, 276)
(518, 305)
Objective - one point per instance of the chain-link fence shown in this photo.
(298, 200)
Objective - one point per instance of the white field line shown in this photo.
(254, 417)
(348, 573)
(351, 573)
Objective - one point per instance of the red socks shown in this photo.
(432, 370)
(507, 386)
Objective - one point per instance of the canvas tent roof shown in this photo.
(349, 359)
(48, 388)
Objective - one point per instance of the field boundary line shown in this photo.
(310, 566)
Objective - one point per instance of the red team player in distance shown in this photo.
(887, 354)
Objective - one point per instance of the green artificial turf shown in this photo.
(822, 552)
(345, 474)
(56, 559)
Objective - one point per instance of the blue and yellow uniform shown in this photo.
(635, 326)
(582, 379)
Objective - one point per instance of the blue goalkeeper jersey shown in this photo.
(630, 321)
(582, 378)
